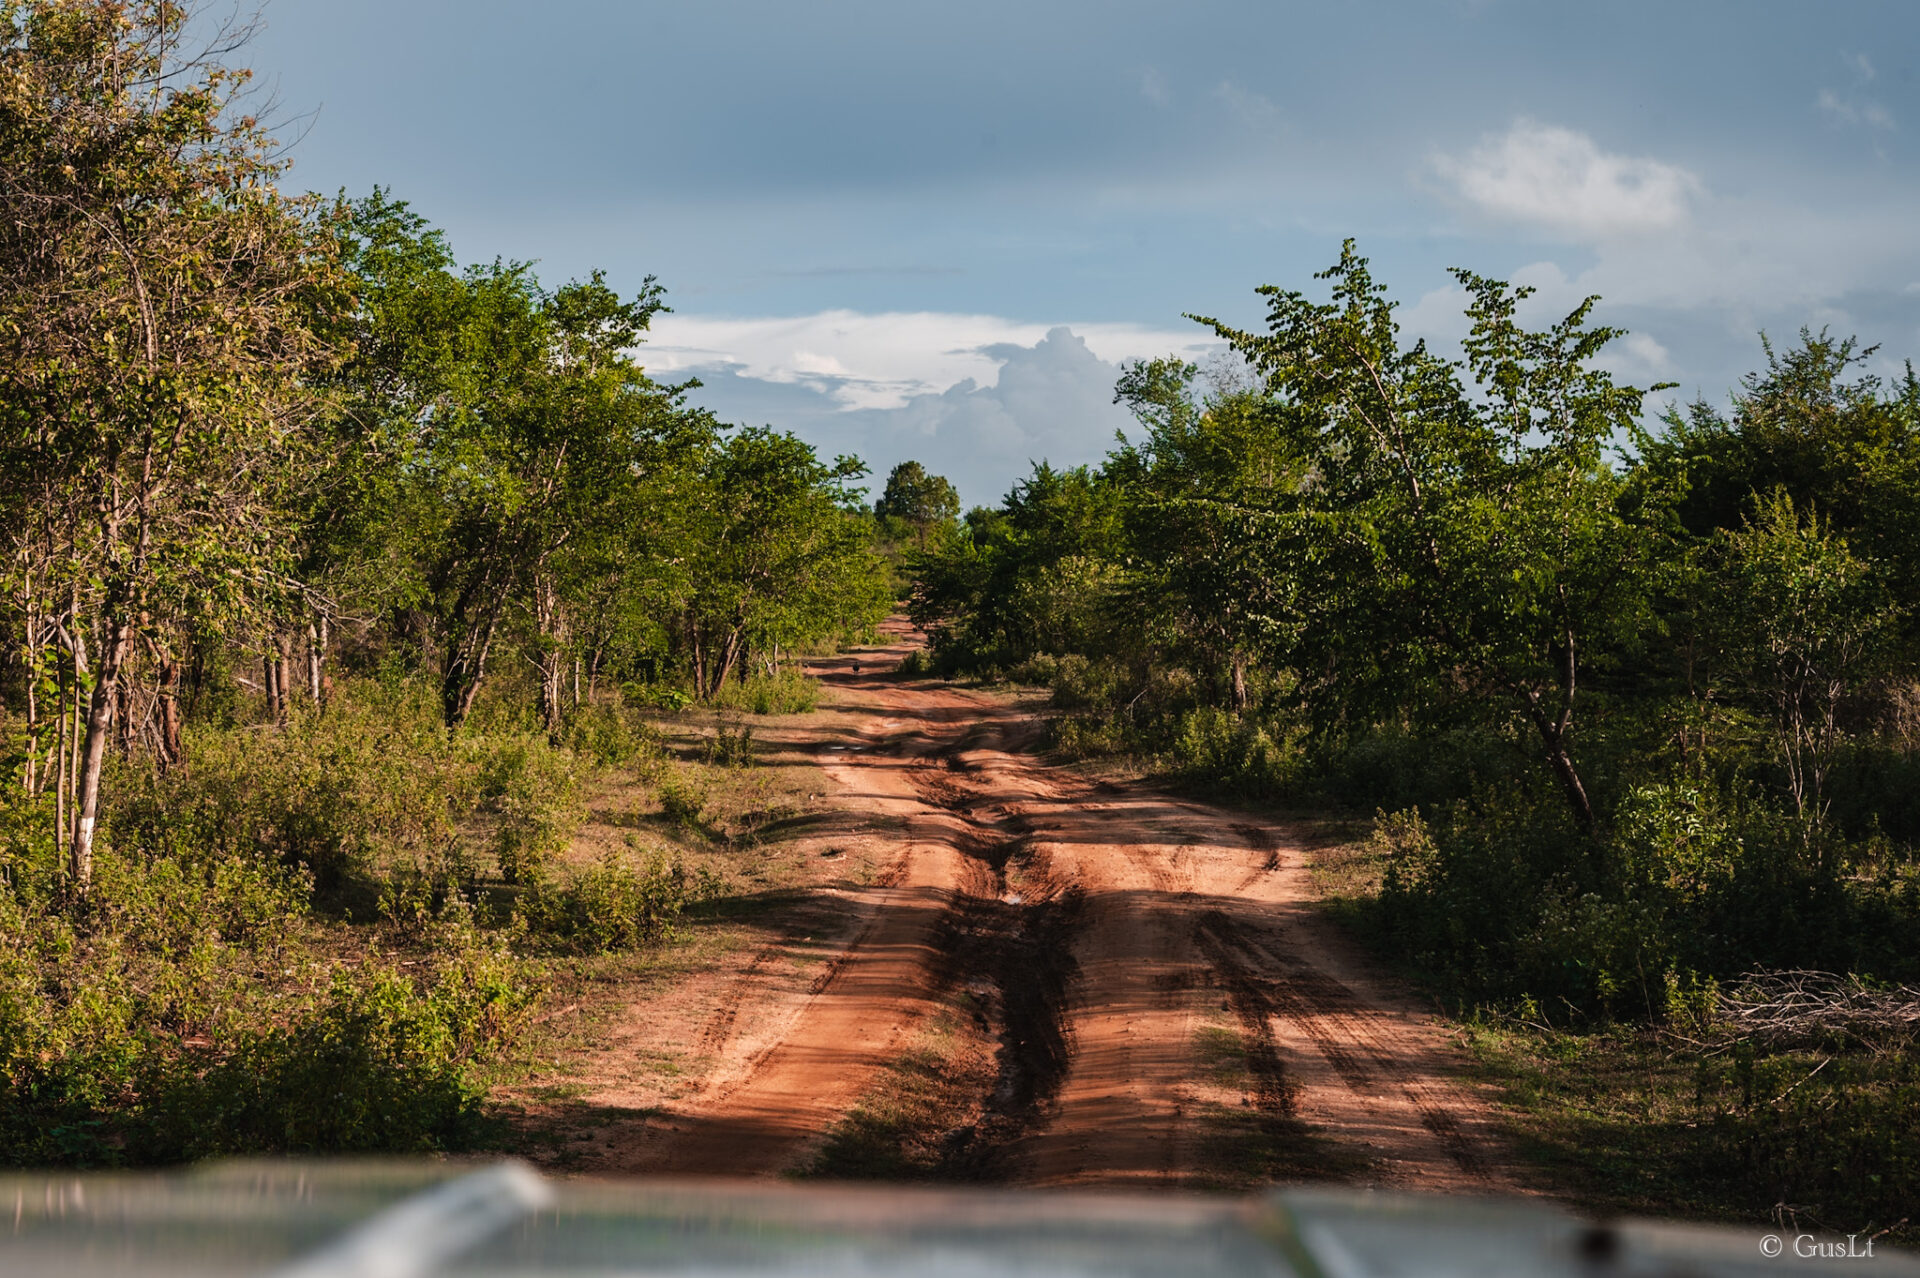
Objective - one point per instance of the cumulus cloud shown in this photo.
(889, 388)
(1562, 182)
(1052, 401)
(860, 360)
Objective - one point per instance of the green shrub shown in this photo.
(370, 781)
(731, 747)
(610, 735)
(1223, 750)
(535, 792)
(1077, 683)
(379, 1066)
(682, 798)
(414, 898)
(785, 692)
(164, 1017)
(608, 907)
(1831, 1132)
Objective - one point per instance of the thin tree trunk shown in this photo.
(58, 766)
(167, 696)
(93, 753)
(316, 656)
(552, 655)
(728, 655)
(699, 658)
(1239, 681)
(270, 680)
(466, 666)
(31, 777)
(1554, 742)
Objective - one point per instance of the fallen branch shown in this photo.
(1772, 1007)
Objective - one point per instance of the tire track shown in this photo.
(1349, 1036)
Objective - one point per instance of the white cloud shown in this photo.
(877, 361)
(1641, 355)
(1255, 110)
(1560, 181)
(1853, 111)
(972, 397)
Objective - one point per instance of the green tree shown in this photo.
(1439, 535)
(923, 502)
(157, 298)
(1203, 490)
(1802, 621)
(1034, 576)
(777, 554)
(500, 428)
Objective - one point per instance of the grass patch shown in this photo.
(1254, 1143)
(1630, 1120)
(918, 1122)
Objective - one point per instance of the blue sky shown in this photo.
(933, 231)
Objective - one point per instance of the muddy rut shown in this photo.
(1101, 931)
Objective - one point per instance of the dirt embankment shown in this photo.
(1117, 944)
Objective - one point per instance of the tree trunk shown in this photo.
(699, 657)
(468, 641)
(317, 657)
(467, 652)
(167, 711)
(728, 655)
(1239, 681)
(1553, 740)
(93, 753)
(270, 680)
(58, 766)
(552, 655)
(32, 775)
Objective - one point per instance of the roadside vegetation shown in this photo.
(346, 587)
(1635, 707)
(339, 580)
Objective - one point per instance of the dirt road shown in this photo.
(1110, 938)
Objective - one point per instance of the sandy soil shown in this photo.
(1107, 927)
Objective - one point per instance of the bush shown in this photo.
(164, 1017)
(1503, 897)
(785, 692)
(1223, 750)
(611, 735)
(1392, 767)
(731, 747)
(682, 799)
(535, 791)
(371, 781)
(378, 1066)
(608, 907)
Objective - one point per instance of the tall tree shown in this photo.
(1440, 533)
(921, 501)
(778, 554)
(156, 305)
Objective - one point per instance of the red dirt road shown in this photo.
(1130, 927)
